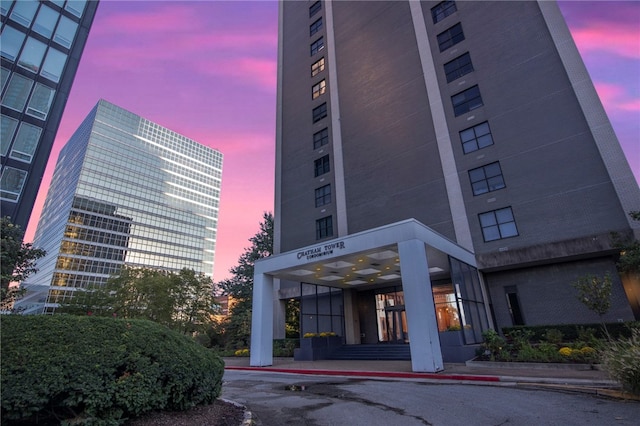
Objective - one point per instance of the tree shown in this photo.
(595, 293)
(18, 260)
(182, 301)
(240, 286)
(195, 302)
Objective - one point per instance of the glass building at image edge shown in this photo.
(41, 45)
(125, 191)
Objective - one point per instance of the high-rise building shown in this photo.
(125, 191)
(42, 42)
(440, 166)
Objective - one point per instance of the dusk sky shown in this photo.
(207, 70)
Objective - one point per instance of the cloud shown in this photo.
(167, 18)
(252, 71)
(616, 39)
(239, 144)
(161, 37)
(615, 98)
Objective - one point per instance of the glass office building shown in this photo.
(125, 191)
(40, 45)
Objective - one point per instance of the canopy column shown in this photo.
(424, 341)
(262, 321)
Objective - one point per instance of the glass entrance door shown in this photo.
(396, 325)
(392, 319)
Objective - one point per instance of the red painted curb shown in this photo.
(374, 374)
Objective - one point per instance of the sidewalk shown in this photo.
(595, 381)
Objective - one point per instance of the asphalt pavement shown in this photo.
(271, 402)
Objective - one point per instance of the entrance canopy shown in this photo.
(366, 258)
(406, 251)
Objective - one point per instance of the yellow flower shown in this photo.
(565, 351)
(587, 350)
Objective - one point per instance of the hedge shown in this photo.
(571, 332)
(99, 371)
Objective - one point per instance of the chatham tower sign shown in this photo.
(321, 251)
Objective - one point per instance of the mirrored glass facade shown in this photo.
(126, 191)
(40, 49)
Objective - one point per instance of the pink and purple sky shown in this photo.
(207, 70)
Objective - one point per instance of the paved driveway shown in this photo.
(277, 399)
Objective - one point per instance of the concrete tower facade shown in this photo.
(476, 120)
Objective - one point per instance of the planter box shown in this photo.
(451, 338)
(453, 348)
(316, 348)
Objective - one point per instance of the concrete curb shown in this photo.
(533, 365)
(598, 387)
(384, 374)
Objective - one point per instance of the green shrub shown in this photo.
(519, 338)
(100, 371)
(549, 352)
(554, 336)
(495, 347)
(620, 359)
(284, 347)
(572, 332)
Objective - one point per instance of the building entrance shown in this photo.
(396, 325)
(392, 319)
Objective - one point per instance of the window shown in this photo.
(66, 32)
(324, 227)
(318, 89)
(458, 67)
(321, 166)
(4, 77)
(317, 67)
(53, 65)
(8, 127)
(486, 178)
(46, 21)
(11, 183)
(315, 8)
(320, 112)
(5, 6)
(317, 46)
(16, 95)
(11, 42)
(320, 138)
(26, 142)
(450, 37)
(498, 224)
(442, 10)
(323, 195)
(23, 12)
(315, 27)
(476, 137)
(32, 54)
(76, 7)
(40, 101)
(466, 101)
